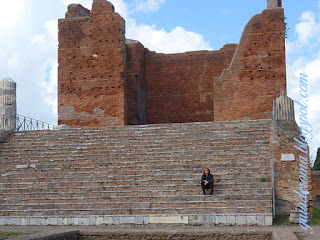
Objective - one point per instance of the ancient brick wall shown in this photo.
(315, 176)
(91, 89)
(136, 83)
(104, 81)
(287, 172)
(180, 86)
(257, 73)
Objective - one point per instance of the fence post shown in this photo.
(273, 192)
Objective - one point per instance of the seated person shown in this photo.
(207, 181)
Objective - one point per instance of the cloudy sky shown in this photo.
(28, 42)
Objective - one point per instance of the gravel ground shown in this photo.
(36, 231)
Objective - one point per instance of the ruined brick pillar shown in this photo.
(274, 4)
(284, 107)
(8, 109)
(91, 79)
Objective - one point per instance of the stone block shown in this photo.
(60, 221)
(169, 219)
(92, 220)
(2, 221)
(71, 221)
(13, 221)
(127, 219)
(251, 220)
(210, 219)
(197, 219)
(116, 220)
(65, 221)
(287, 157)
(23, 221)
(221, 219)
(241, 220)
(84, 221)
(43, 221)
(33, 221)
(141, 220)
(260, 220)
(231, 220)
(53, 221)
(268, 220)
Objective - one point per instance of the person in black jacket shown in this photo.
(207, 181)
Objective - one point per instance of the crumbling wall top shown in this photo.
(77, 10)
(102, 6)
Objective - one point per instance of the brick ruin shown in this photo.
(106, 79)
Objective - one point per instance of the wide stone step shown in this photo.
(130, 198)
(129, 182)
(152, 191)
(102, 203)
(140, 211)
(142, 139)
(150, 187)
(251, 148)
(98, 176)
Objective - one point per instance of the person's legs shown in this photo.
(211, 188)
(203, 188)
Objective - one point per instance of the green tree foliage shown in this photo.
(317, 162)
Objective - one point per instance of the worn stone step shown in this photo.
(132, 199)
(152, 191)
(54, 188)
(140, 211)
(101, 203)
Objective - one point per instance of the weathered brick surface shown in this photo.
(104, 81)
(257, 73)
(180, 86)
(91, 89)
(287, 172)
(5, 135)
(315, 176)
(136, 83)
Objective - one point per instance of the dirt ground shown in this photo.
(37, 231)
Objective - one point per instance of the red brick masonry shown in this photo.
(315, 176)
(105, 79)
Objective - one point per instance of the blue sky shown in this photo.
(28, 40)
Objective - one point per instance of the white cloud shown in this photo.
(308, 27)
(307, 31)
(177, 40)
(11, 14)
(28, 53)
(307, 59)
(311, 67)
(149, 5)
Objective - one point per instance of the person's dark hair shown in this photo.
(204, 170)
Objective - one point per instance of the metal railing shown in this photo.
(273, 191)
(274, 120)
(23, 123)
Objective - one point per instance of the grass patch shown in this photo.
(316, 217)
(282, 220)
(6, 235)
(263, 180)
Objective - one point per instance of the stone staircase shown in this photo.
(137, 174)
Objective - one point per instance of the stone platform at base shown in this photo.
(225, 219)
